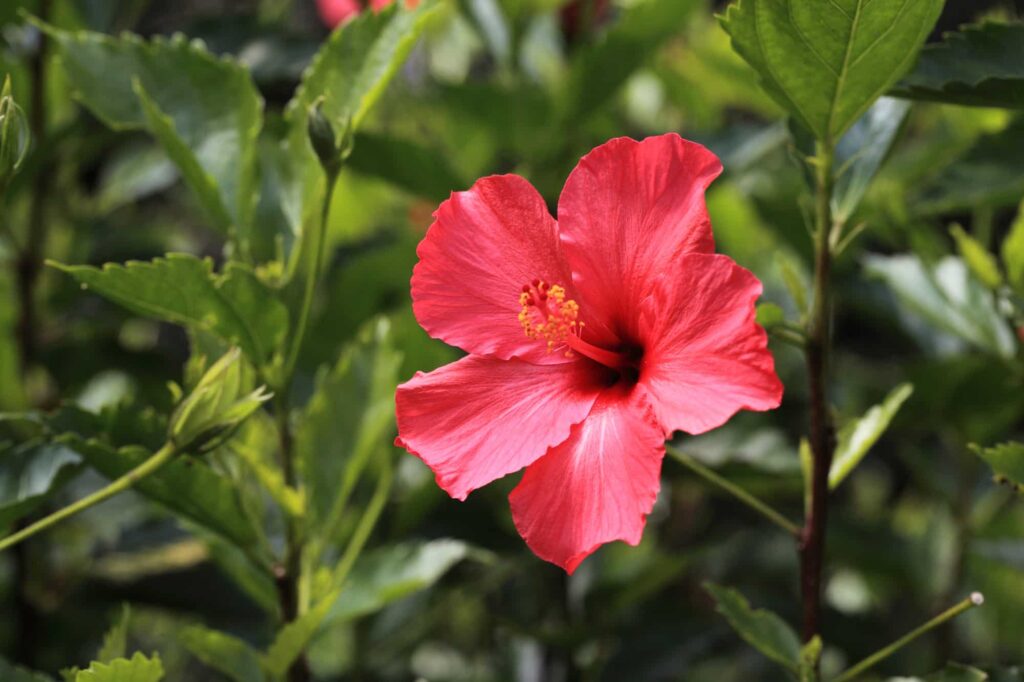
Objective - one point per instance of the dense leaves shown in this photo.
(204, 111)
(183, 289)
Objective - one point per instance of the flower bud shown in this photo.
(219, 403)
(14, 135)
(331, 151)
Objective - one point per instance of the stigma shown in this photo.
(546, 315)
(549, 317)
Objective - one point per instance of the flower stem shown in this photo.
(366, 523)
(822, 435)
(312, 278)
(162, 456)
(739, 493)
(289, 578)
(976, 599)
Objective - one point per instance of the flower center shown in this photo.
(548, 316)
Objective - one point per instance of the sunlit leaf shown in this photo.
(827, 61)
(182, 289)
(384, 575)
(947, 297)
(204, 111)
(115, 641)
(138, 668)
(762, 629)
(30, 473)
(1013, 252)
(856, 438)
(862, 150)
(982, 264)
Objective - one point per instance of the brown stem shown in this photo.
(822, 437)
(288, 574)
(29, 265)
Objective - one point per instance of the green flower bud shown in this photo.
(331, 151)
(217, 406)
(14, 135)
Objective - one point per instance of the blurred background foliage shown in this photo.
(447, 590)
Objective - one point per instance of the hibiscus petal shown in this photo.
(627, 211)
(596, 487)
(705, 358)
(478, 419)
(484, 246)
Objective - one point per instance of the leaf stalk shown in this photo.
(761, 507)
(161, 457)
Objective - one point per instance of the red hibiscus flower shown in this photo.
(334, 12)
(590, 340)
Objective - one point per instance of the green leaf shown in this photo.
(30, 473)
(224, 653)
(350, 73)
(384, 575)
(409, 165)
(186, 486)
(762, 629)
(770, 315)
(947, 297)
(856, 438)
(810, 655)
(795, 279)
(203, 110)
(1013, 252)
(294, 637)
(979, 65)
(115, 642)
(10, 673)
(827, 61)
(351, 413)
(988, 175)
(132, 174)
(862, 150)
(183, 289)
(982, 264)
(137, 669)
(1007, 460)
(600, 70)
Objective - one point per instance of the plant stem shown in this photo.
(976, 599)
(312, 278)
(366, 523)
(162, 456)
(822, 436)
(739, 493)
(28, 267)
(289, 575)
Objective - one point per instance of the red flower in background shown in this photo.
(582, 16)
(334, 12)
(590, 339)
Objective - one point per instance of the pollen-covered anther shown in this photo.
(546, 315)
